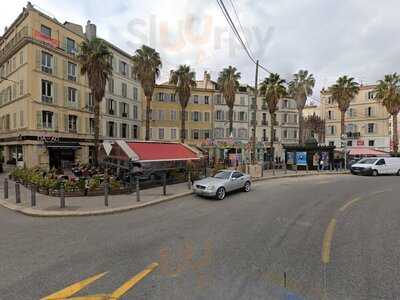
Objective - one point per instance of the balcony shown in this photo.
(124, 114)
(47, 99)
(111, 112)
(353, 135)
(264, 123)
(253, 106)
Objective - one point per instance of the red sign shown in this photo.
(44, 38)
(360, 142)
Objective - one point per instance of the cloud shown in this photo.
(329, 38)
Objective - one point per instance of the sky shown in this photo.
(329, 38)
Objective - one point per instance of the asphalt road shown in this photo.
(335, 237)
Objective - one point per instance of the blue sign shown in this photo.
(301, 158)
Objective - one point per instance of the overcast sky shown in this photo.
(329, 38)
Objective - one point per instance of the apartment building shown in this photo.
(121, 108)
(286, 127)
(165, 121)
(367, 121)
(42, 94)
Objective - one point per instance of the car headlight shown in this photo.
(210, 187)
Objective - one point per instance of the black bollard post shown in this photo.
(189, 181)
(164, 184)
(17, 193)
(6, 188)
(33, 195)
(106, 193)
(137, 190)
(62, 196)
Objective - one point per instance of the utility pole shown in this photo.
(253, 146)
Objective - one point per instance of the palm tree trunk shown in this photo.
(342, 128)
(96, 132)
(301, 137)
(273, 120)
(230, 115)
(148, 100)
(395, 134)
(183, 121)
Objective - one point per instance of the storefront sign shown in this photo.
(301, 158)
(290, 158)
(48, 139)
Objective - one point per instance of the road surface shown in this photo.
(335, 237)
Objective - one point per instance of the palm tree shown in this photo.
(96, 60)
(388, 91)
(184, 80)
(300, 88)
(228, 81)
(273, 89)
(343, 91)
(146, 66)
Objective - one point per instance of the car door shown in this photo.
(381, 166)
(238, 180)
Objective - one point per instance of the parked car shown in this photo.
(221, 183)
(376, 166)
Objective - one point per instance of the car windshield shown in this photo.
(367, 161)
(222, 175)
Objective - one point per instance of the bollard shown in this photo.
(296, 169)
(33, 195)
(62, 196)
(137, 190)
(106, 194)
(284, 280)
(285, 166)
(273, 168)
(164, 184)
(189, 182)
(5, 188)
(17, 193)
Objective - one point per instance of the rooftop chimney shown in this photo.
(90, 30)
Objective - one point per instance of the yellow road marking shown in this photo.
(94, 297)
(118, 293)
(326, 244)
(74, 288)
(344, 207)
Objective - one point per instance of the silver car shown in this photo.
(221, 183)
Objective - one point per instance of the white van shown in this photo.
(377, 165)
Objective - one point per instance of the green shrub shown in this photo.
(115, 184)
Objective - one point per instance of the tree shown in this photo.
(299, 89)
(228, 82)
(184, 80)
(273, 89)
(146, 66)
(388, 92)
(342, 92)
(96, 60)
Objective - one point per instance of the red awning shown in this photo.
(156, 151)
(363, 151)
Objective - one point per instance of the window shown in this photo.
(206, 134)
(371, 127)
(370, 111)
(21, 87)
(124, 130)
(206, 99)
(242, 116)
(91, 125)
(45, 30)
(124, 110)
(330, 100)
(206, 116)
(264, 119)
(47, 119)
(285, 103)
(110, 129)
(352, 112)
(219, 132)
(21, 57)
(331, 143)
(242, 133)
(285, 134)
(350, 143)
(72, 95)
(237, 175)
(332, 130)
(195, 134)
(371, 95)
(124, 89)
(161, 97)
(196, 116)
(70, 46)
(123, 68)
(173, 115)
(135, 131)
(111, 106)
(196, 99)
(242, 100)
(220, 115)
(285, 118)
(371, 143)
(264, 135)
(330, 115)
(380, 162)
(172, 98)
(161, 133)
(135, 112)
(295, 134)
(47, 62)
(71, 71)
(47, 91)
(72, 123)
(135, 93)
(173, 133)
(111, 85)
(218, 100)
(161, 115)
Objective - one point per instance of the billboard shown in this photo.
(301, 158)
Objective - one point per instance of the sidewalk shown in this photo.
(47, 206)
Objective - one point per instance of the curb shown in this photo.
(49, 214)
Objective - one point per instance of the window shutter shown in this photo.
(87, 125)
(120, 108)
(200, 116)
(55, 92)
(65, 69)
(78, 99)
(38, 58)
(55, 65)
(65, 96)
(375, 127)
(55, 121)
(78, 125)
(65, 123)
(39, 119)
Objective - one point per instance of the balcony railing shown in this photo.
(353, 135)
(264, 123)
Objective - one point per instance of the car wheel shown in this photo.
(221, 193)
(247, 186)
(375, 173)
(398, 173)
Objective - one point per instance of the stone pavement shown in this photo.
(48, 206)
